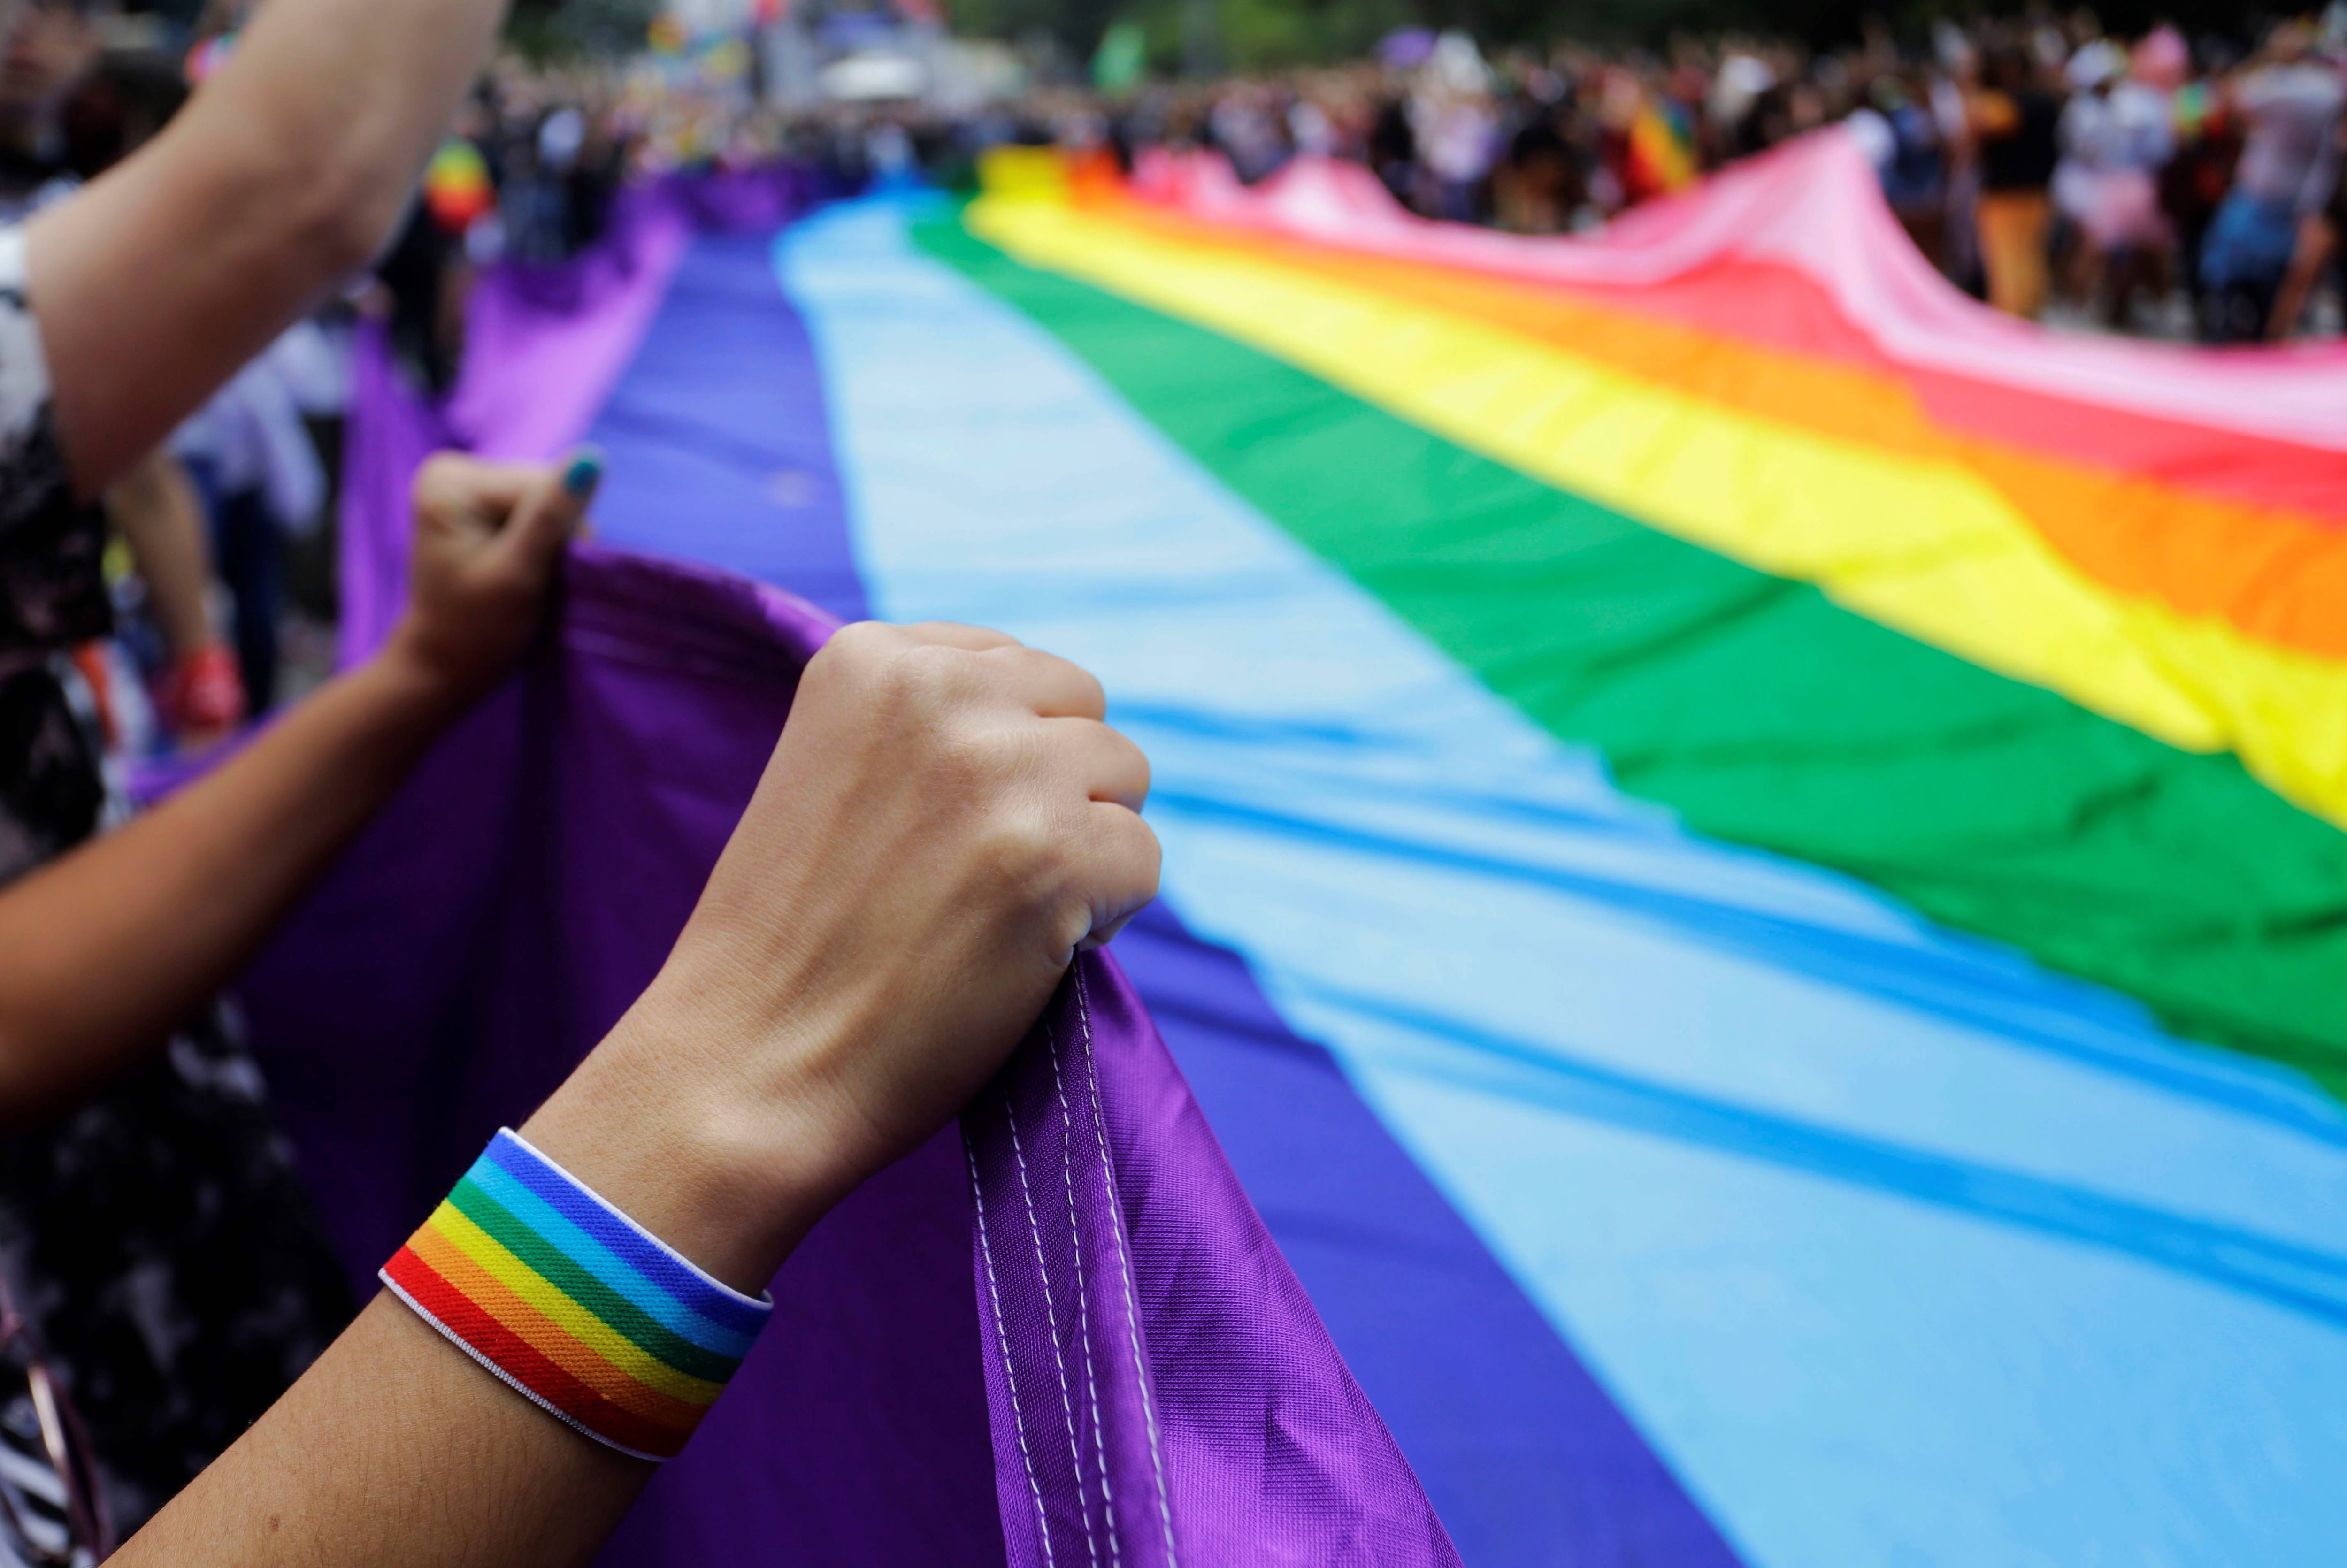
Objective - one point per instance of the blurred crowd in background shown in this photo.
(2159, 184)
(2156, 184)
(2153, 184)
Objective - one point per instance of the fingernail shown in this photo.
(586, 471)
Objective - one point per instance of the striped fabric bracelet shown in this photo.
(573, 1303)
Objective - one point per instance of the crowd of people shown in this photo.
(2156, 183)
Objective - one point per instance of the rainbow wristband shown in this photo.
(575, 1305)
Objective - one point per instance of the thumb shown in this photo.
(551, 511)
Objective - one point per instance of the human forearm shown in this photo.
(394, 1451)
(352, 95)
(110, 946)
(282, 175)
(181, 898)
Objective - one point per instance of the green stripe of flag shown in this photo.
(1761, 712)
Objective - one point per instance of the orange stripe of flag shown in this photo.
(2276, 574)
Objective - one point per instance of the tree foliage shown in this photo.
(1261, 33)
(567, 29)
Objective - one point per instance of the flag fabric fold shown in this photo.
(1160, 1377)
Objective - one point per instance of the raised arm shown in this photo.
(282, 177)
(113, 944)
(945, 822)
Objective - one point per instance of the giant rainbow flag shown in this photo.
(1754, 883)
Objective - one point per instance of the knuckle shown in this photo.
(930, 686)
(1135, 760)
(852, 656)
(960, 763)
(858, 642)
(1022, 850)
(931, 664)
(431, 484)
(1050, 670)
(990, 756)
(1127, 842)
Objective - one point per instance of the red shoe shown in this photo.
(202, 695)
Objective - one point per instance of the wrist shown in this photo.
(693, 1156)
(410, 677)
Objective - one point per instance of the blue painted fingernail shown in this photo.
(586, 471)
